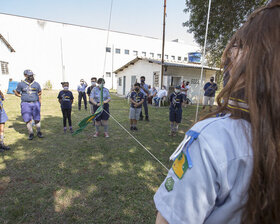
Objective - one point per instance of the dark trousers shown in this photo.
(66, 115)
(82, 95)
(145, 105)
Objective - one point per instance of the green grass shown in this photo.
(65, 179)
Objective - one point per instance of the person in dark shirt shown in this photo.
(136, 99)
(65, 98)
(30, 92)
(89, 89)
(210, 89)
(175, 111)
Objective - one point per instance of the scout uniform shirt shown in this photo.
(96, 94)
(209, 179)
(136, 97)
(29, 91)
(66, 98)
(176, 100)
(145, 86)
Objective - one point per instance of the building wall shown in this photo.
(57, 51)
(179, 74)
(6, 56)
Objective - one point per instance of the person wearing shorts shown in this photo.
(95, 99)
(136, 99)
(175, 110)
(3, 119)
(210, 89)
(30, 93)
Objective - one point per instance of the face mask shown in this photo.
(93, 83)
(65, 87)
(142, 81)
(211, 80)
(81, 83)
(30, 78)
(137, 89)
(177, 90)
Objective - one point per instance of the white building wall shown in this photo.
(42, 46)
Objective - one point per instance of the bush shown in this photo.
(48, 85)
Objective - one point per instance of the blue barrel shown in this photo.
(194, 57)
(12, 87)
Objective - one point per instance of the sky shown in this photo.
(143, 17)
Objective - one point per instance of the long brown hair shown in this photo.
(255, 79)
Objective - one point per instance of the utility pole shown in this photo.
(163, 42)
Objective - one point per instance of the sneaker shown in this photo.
(31, 136)
(131, 128)
(96, 135)
(147, 119)
(141, 119)
(135, 129)
(40, 135)
(4, 147)
(106, 135)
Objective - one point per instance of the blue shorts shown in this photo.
(31, 111)
(175, 114)
(103, 116)
(3, 116)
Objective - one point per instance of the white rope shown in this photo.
(203, 60)
(137, 141)
(108, 31)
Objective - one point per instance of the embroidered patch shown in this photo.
(180, 165)
(169, 184)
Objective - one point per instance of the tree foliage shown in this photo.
(226, 16)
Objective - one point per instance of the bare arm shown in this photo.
(160, 219)
(17, 93)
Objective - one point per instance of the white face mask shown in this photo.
(65, 87)
(81, 83)
(93, 83)
(177, 90)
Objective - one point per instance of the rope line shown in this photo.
(203, 60)
(108, 31)
(137, 141)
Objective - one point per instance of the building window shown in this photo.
(185, 59)
(126, 51)
(118, 51)
(179, 58)
(4, 68)
(159, 55)
(120, 81)
(143, 53)
(166, 56)
(108, 74)
(152, 55)
(135, 53)
(108, 49)
(173, 57)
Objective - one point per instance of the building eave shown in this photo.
(7, 43)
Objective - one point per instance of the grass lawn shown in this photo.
(65, 179)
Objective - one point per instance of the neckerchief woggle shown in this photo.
(87, 120)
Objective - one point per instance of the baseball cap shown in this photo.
(28, 72)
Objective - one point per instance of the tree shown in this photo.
(226, 16)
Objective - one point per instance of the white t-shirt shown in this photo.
(214, 190)
(162, 93)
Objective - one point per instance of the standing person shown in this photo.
(65, 98)
(175, 110)
(226, 171)
(210, 89)
(3, 119)
(144, 89)
(30, 93)
(136, 99)
(89, 89)
(95, 98)
(82, 94)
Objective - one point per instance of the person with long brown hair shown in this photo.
(227, 169)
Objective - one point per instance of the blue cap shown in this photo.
(28, 72)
